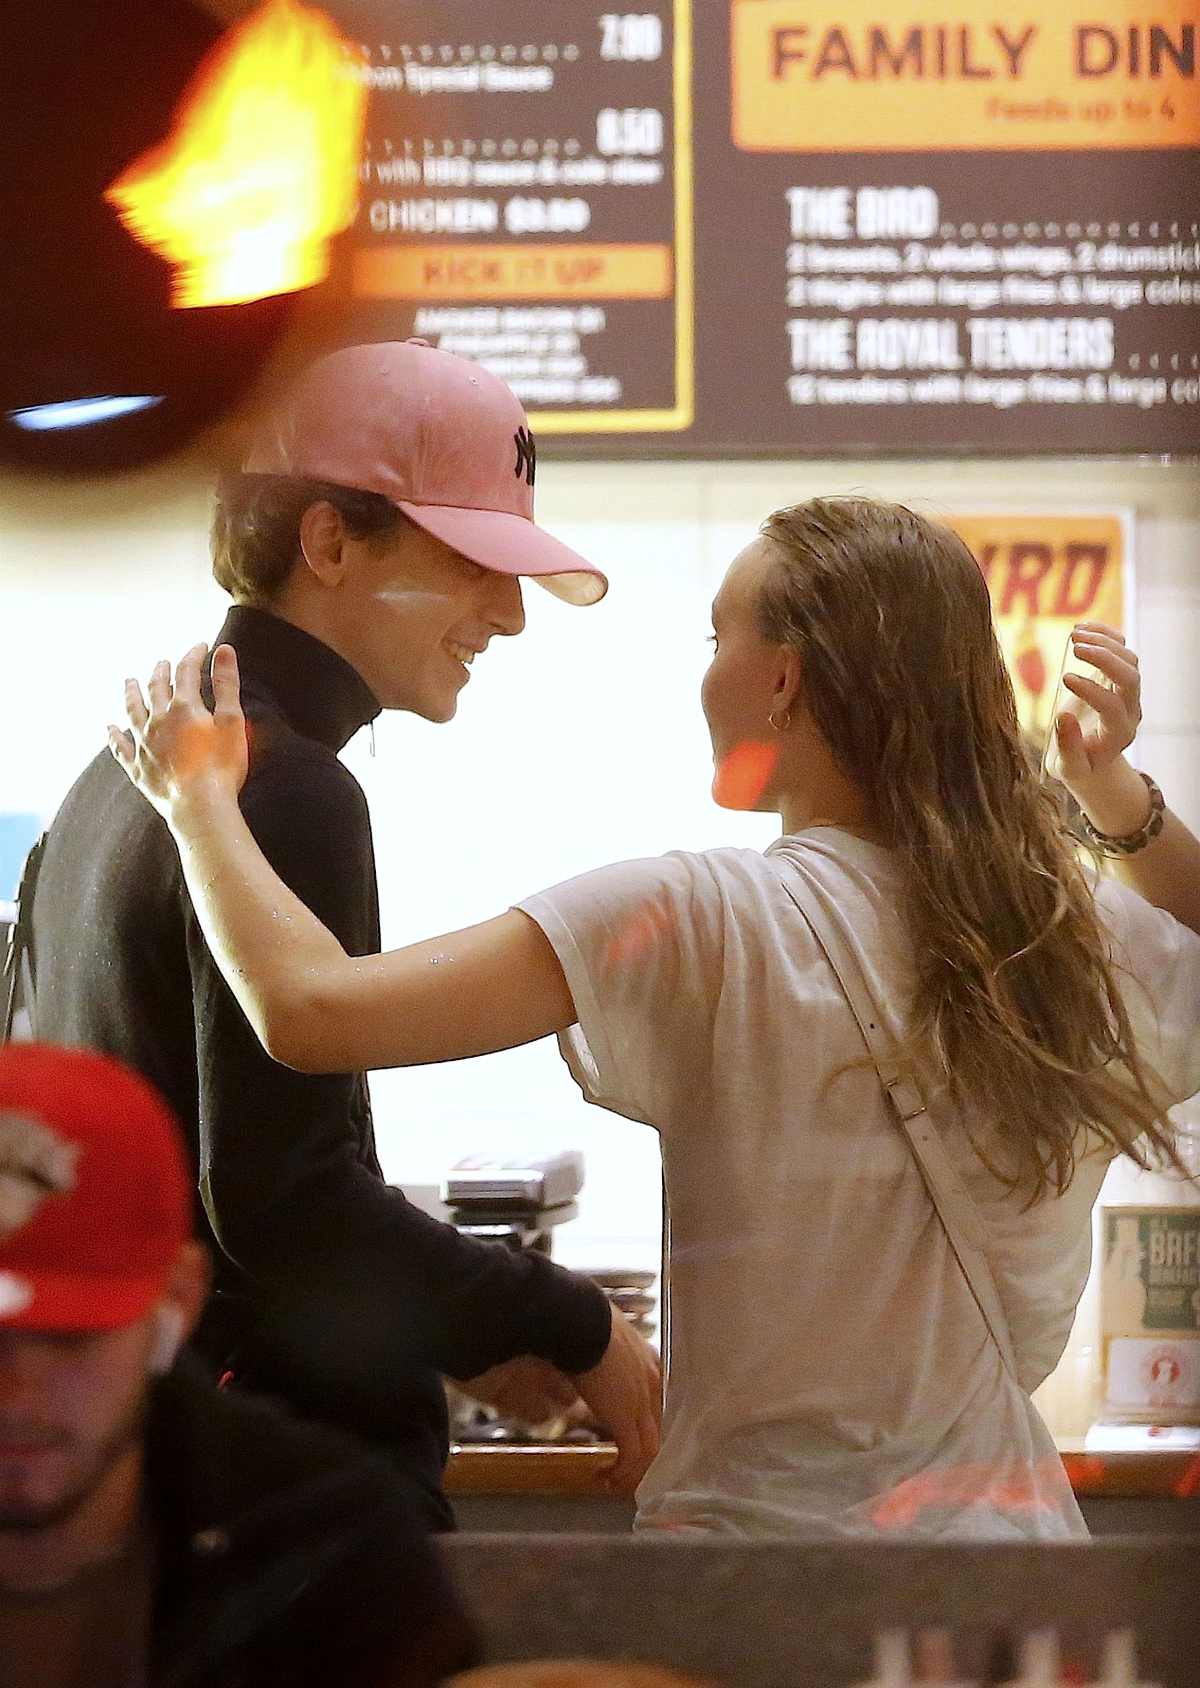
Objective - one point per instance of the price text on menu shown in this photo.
(526, 201)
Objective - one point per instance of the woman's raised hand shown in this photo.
(1117, 704)
(178, 751)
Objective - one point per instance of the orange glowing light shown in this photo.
(744, 774)
(1008, 1487)
(637, 936)
(1189, 1484)
(260, 168)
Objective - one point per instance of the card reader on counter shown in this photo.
(517, 1200)
(525, 1182)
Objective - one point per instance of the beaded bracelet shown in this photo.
(1108, 845)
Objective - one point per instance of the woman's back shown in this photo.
(830, 1370)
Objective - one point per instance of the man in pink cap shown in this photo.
(152, 1530)
(373, 542)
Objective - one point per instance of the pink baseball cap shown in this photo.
(442, 438)
(95, 1193)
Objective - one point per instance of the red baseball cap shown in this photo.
(95, 1194)
(439, 436)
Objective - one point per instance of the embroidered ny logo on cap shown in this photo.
(526, 455)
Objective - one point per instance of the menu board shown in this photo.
(712, 227)
(527, 201)
(966, 228)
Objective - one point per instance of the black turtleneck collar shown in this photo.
(316, 690)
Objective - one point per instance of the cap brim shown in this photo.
(60, 1303)
(511, 545)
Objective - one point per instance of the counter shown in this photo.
(559, 1488)
(795, 1614)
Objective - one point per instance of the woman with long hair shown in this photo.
(889, 1058)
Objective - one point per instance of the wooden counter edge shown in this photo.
(510, 1469)
(1166, 1473)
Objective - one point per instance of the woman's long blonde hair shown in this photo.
(1016, 1004)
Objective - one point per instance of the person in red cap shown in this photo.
(373, 541)
(153, 1530)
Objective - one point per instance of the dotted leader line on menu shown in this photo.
(1072, 231)
(509, 53)
(508, 148)
(1155, 359)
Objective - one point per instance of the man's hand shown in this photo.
(528, 1389)
(624, 1393)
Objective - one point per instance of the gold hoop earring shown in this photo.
(781, 726)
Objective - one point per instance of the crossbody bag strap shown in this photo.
(18, 963)
(955, 1207)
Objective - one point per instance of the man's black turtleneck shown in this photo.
(333, 1291)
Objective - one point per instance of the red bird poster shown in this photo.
(1045, 573)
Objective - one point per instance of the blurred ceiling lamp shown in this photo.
(171, 191)
(260, 169)
(82, 413)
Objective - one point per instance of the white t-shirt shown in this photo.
(829, 1369)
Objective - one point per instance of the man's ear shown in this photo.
(323, 542)
(188, 1286)
(175, 1315)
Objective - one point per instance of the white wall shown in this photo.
(580, 743)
